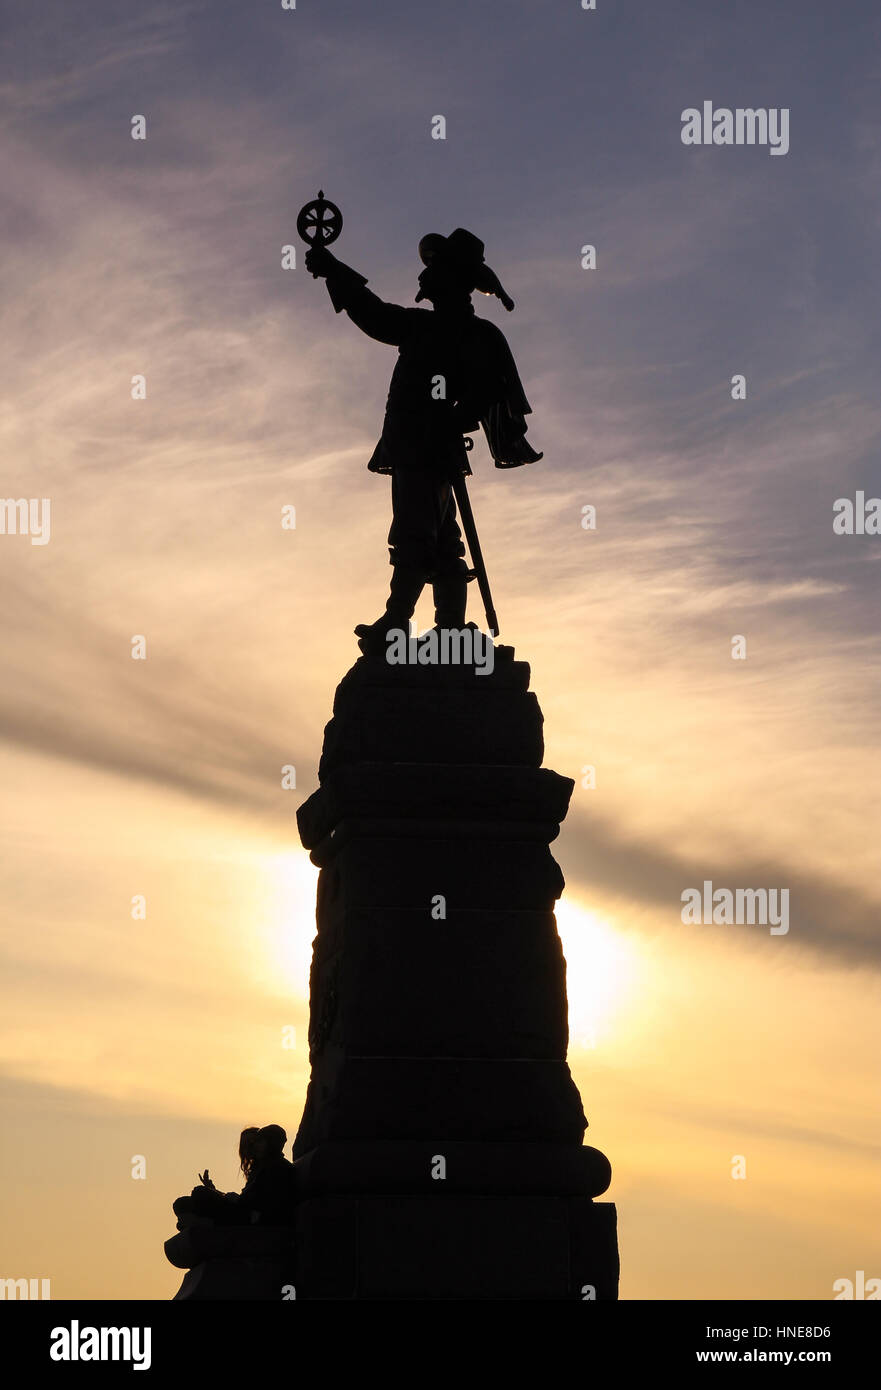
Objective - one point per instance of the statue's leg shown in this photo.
(410, 550)
(450, 584)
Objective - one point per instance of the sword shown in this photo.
(478, 571)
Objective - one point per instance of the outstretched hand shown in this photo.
(319, 260)
(205, 1180)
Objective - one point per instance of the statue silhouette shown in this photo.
(454, 372)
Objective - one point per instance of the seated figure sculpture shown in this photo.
(267, 1198)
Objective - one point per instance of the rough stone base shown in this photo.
(241, 1263)
(456, 1247)
(438, 1015)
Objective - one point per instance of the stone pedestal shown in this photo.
(440, 1153)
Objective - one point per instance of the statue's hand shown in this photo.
(319, 260)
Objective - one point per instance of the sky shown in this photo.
(692, 1044)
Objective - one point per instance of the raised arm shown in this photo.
(387, 323)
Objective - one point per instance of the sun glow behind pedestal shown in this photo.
(603, 974)
(290, 924)
(604, 970)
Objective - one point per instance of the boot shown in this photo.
(406, 586)
(450, 598)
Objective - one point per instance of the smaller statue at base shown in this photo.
(267, 1198)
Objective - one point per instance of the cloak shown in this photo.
(481, 381)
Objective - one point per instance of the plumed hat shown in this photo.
(462, 252)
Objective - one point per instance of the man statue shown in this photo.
(454, 371)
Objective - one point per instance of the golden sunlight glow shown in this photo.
(603, 966)
(604, 970)
(289, 920)
(603, 973)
